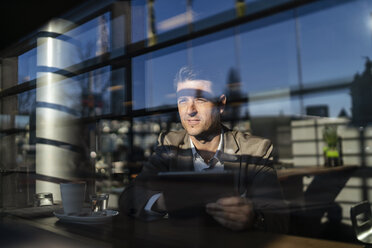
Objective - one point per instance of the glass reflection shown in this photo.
(27, 66)
(92, 38)
(153, 77)
(301, 78)
(86, 41)
(95, 93)
(206, 14)
(267, 55)
(333, 42)
(146, 131)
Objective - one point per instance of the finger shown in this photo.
(212, 205)
(243, 209)
(234, 200)
(218, 206)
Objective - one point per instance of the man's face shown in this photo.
(199, 113)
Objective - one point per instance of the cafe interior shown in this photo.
(86, 87)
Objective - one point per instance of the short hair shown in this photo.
(188, 73)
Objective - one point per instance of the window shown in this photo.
(89, 100)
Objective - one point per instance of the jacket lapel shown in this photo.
(231, 151)
(232, 159)
(230, 156)
(184, 158)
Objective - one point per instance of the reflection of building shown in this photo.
(307, 147)
(234, 97)
(361, 96)
(125, 64)
(320, 110)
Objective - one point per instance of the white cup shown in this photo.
(73, 195)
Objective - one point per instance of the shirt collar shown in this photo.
(195, 154)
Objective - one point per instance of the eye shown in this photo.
(182, 100)
(201, 100)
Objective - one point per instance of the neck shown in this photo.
(208, 144)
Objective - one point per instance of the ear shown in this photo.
(222, 103)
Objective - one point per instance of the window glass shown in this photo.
(103, 92)
(170, 15)
(153, 75)
(268, 55)
(334, 41)
(155, 17)
(207, 13)
(95, 93)
(159, 17)
(81, 43)
(17, 130)
(146, 131)
(111, 157)
(27, 66)
(215, 56)
(138, 8)
(17, 109)
(268, 62)
(337, 103)
(84, 42)
(300, 77)
(204, 8)
(91, 39)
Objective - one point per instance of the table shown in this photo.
(285, 174)
(324, 188)
(125, 231)
(309, 206)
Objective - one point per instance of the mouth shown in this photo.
(193, 121)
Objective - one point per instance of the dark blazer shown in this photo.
(247, 155)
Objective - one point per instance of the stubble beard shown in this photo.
(205, 135)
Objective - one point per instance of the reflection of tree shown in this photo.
(343, 113)
(361, 96)
(234, 95)
(95, 94)
(27, 106)
(26, 100)
(86, 51)
(102, 43)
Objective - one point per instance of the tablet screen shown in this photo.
(187, 193)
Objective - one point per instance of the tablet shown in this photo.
(187, 193)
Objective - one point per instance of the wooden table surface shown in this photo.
(124, 231)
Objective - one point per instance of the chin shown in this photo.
(193, 131)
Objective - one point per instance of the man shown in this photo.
(205, 144)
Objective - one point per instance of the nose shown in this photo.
(191, 109)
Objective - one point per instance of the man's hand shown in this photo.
(235, 213)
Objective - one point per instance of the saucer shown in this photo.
(86, 217)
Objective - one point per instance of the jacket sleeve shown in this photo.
(135, 196)
(266, 195)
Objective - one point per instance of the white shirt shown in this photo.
(215, 164)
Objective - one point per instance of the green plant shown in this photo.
(330, 136)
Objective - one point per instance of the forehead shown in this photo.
(196, 89)
(202, 85)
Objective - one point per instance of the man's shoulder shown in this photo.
(248, 137)
(251, 144)
(172, 137)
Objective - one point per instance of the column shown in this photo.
(58, 107)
